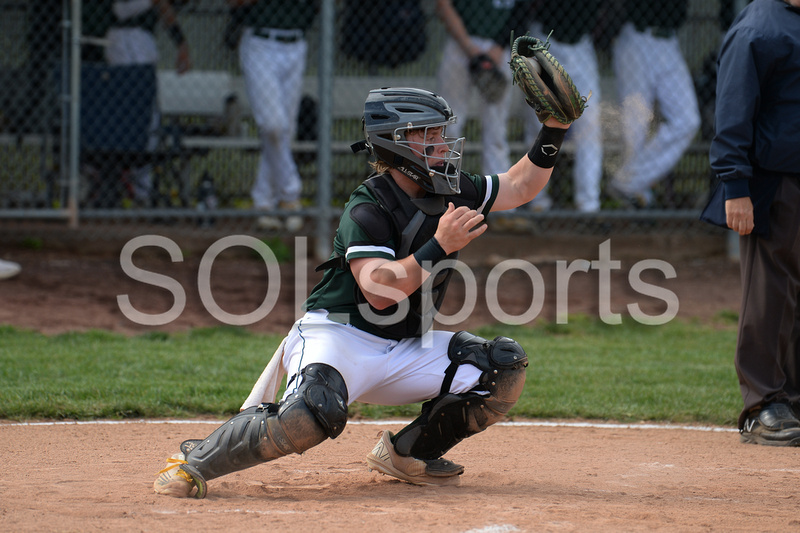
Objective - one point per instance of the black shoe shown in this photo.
(628, 200)
(773, 425)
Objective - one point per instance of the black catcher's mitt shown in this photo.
(547, 87)
(485, 75)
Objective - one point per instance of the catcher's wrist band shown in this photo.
(176, 34)
(432, 252)
(544, 151)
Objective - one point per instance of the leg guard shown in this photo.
(449, 418)
(317, 410)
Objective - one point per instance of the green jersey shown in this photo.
(364, 231)
(484, 18)
(279, 14)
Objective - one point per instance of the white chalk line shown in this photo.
(521, 423)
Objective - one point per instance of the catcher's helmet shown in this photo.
(391, 112)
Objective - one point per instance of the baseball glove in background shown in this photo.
(485, 75)
(547, 87)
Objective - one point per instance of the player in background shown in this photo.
(652, 74)
(272, 54)
(132, 41)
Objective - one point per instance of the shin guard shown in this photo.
(316, 411)
(449, 418)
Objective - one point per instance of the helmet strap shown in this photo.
(359, 146)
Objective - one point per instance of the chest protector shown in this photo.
(414, 222)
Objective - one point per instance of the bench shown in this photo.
(202, 94)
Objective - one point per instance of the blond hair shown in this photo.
(382, 167)
(379, 166)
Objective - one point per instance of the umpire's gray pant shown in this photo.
(768, 346)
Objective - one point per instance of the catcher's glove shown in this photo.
(485, 75)
(547, 87)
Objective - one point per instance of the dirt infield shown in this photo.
(76, 289)
(535, 476)
(518, 478)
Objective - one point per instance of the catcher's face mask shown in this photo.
(438, 155)
(405, 128)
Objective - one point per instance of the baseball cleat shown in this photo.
(629, 199)
(178, 478)
(386, 460)
(269, 223)
(773, 425)
(294, 223)
(9, 269)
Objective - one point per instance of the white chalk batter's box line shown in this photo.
(528, 423)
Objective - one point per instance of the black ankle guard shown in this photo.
(197, 478)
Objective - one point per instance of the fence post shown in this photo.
(75, 112)
(322, 246)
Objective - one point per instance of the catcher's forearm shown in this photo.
(530, 174)
(547, 146)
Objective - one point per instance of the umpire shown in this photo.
(755, 154)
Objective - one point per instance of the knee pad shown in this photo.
(323, 392)
(502, 360)
(316, 411)
(449, 418)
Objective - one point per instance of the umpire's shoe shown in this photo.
(773, 425)
(386, 460)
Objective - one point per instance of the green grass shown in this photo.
(105, 375)
(679, 372)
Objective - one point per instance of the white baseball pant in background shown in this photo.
(273, 72)
(455, 86)
(650, 70)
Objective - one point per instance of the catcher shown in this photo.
(366, 335)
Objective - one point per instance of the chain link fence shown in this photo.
(198, 115)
